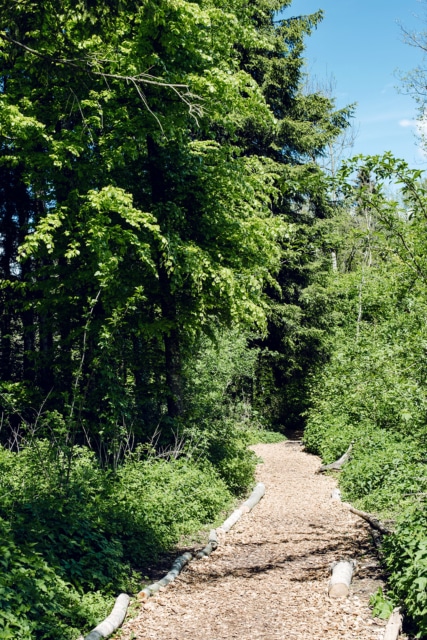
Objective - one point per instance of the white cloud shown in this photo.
(408, 123)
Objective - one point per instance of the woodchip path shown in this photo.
(269, 577)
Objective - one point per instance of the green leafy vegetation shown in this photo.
(74, 535)
(373, 390)
(164, 240)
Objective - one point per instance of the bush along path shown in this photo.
(269, 576)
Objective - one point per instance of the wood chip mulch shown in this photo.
(269, 577)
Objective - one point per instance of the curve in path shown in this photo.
(269, 577)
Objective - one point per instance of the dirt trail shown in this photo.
(269, 577)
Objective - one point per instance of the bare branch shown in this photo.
(86, 65)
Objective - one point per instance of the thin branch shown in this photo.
(85, 125)
(83, 356)
(182, 90)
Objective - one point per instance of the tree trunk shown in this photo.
(8, 234)
(172, 346)
(171, 337)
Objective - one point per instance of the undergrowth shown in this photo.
(373, 392)
(69, 544)
(73, 534)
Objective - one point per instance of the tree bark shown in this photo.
(168, 305)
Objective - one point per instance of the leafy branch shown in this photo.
(86, 65)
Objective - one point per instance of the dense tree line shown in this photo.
(164, 241)
(159, 181)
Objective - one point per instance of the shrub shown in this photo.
(406, 560)
(35, 601)
(157, 501)
(71, 532)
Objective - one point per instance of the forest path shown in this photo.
(269, 577)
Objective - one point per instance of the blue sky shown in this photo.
(360, 45)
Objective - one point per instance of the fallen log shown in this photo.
(231, 521)
(176, 569)
(254, 498)
(373, 521)
(339, 584)
(338, 464)
(394, 625)
(114, 620)
(247, 506)
(211, 546)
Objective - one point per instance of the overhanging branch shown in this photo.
(138, 80)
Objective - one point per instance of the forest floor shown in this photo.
(269, 577)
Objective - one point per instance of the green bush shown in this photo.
(71, 532)
(157, 501)
(384, 471)
(406, 560)
(373, 392)
(35, 601)
(264, 436)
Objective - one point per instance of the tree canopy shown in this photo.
(162, 157)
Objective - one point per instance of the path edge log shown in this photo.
(338, 464)
(342, 573)
(211, 546)
(176, 569)
(254, 498)
(373, 521)
(231, 521)
(394, 625)
(113, 621)
(247, 506)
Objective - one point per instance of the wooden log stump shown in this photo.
(114, 620)
(342, 573)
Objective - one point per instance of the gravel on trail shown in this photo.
(269, 577)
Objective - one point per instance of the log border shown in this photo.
(338, 464)
(395, 622)
(118, 614)
(113, 621)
